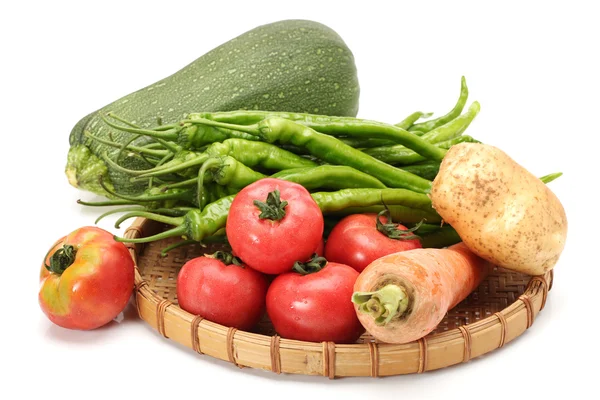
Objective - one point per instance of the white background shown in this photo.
(532, 65)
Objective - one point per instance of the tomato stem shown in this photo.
(315, 264)
(273, 208)
(61, 259)
(391, 229)
(384, 304)
(226, 257)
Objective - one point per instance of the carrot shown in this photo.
(403, 296)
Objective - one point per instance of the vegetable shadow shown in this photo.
(75, 337)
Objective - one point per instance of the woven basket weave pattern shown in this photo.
(499, 310)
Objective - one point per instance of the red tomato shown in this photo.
(355, 241)
(86, 280)
(230, 295)
(290, 233)
(319, 251)
(315, 307)
(320, 248)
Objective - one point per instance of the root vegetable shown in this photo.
(403, 296)
(501, 211)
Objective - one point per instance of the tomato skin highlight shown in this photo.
(271, 246)
(229, 295)
(355, 241)
(316, 307)
(95, 288)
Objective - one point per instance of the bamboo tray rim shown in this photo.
(274, 353)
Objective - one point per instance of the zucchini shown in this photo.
(290, 65)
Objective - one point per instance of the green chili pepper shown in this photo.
(147, 150)
(188, 136)
(342, 199)
(261, 154)
(397, 212)
(333, 151)
(427, 169)
(335, 126)
(182, 163)
(330, 150)
(221, 191)
(400, 155)
(454, 113)
(195, 225)
(360, 128)
(453, 128)
(322, 123)
(250, 117)
(329, 177)
(250, 153)
(194, 136)
(230, 176)
(229, 172)
(156, 197)
(442, 237)
(226, 172)
(366, 143)
(198, 224)
(408, 122)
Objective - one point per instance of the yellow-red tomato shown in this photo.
(86, 279)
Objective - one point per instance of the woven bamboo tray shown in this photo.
(500, 310)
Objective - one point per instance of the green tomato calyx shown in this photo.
(315, 264)
(226, 257)
(61, 259)
(391, 229)
(273, 208)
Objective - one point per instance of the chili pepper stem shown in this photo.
(120, 168)
(147, 132)
(161, 162)
(163, 252)
(149, 215)
(106, 203)
(163, 137)
(253, 129)
(119, 210)
(550, 177)
(186, 183)
(174, 168)
(137, 149)
(210, 163)
(178, 231)
(130, 200)
(454, 113)
(384, 304)
(407, 122)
